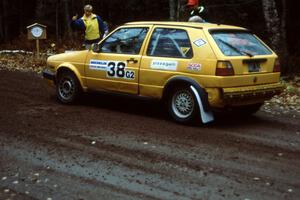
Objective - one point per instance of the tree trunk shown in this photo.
(5, 20)
(1, 24)
(178, 10)
(21, 17)
(1, 30)
(284, 50)
(272, 22)
(67, 17)
(39, 10)
(58, 38)
(172, 5)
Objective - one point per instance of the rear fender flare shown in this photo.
(190, 82)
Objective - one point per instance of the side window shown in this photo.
(167, 42)
(125, 41)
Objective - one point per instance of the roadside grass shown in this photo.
(22, 62)
(288, 101)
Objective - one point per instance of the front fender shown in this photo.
(72, 68)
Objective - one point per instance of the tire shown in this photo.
(68, 88)
(182, 105)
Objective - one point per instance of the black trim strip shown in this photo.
(49, 75)
(152, 24)
(226, 30)
(260, 60)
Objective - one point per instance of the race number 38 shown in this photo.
(117, 70)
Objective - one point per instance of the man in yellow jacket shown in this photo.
(91, 24)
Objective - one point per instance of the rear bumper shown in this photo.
(250, 94)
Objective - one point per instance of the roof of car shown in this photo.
(186, 24)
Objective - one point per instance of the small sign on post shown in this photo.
(37, 32)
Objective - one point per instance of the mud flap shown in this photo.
(206, 116)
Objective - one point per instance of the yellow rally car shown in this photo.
(194, 67)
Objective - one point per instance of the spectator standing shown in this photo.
(92, 25)
(194, 11)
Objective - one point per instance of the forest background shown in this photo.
(275, 21)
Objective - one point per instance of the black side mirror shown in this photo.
(95, 47)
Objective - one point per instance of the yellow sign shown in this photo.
(185, 50)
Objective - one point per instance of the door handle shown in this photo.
(132, 60)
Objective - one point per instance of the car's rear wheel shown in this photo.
(67, 88)
(182, 105)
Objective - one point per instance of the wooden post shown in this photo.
(37, 48)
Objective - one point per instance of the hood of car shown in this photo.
(74, 57)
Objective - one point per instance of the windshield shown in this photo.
(237, 43)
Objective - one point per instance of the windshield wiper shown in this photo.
(236, 49)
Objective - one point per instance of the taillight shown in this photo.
(224, 68)
(276, 66)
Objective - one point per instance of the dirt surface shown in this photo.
(111, 147)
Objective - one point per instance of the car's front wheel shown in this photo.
(67, 88)
(182, 105)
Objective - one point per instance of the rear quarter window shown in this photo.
(168, 42)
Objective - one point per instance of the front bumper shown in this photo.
(49, 75)
(250, 94)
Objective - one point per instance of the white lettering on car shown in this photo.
(164, 65)
(98, 65)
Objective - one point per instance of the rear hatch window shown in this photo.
(239, 43)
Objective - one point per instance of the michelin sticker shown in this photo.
(164, 65)
(114, 69)
(98, 65)
(199, 42)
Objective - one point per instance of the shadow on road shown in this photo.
(158, 110)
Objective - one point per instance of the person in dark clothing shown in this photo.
(195, 14)
(194, 11)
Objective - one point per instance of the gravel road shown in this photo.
(111, 147)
